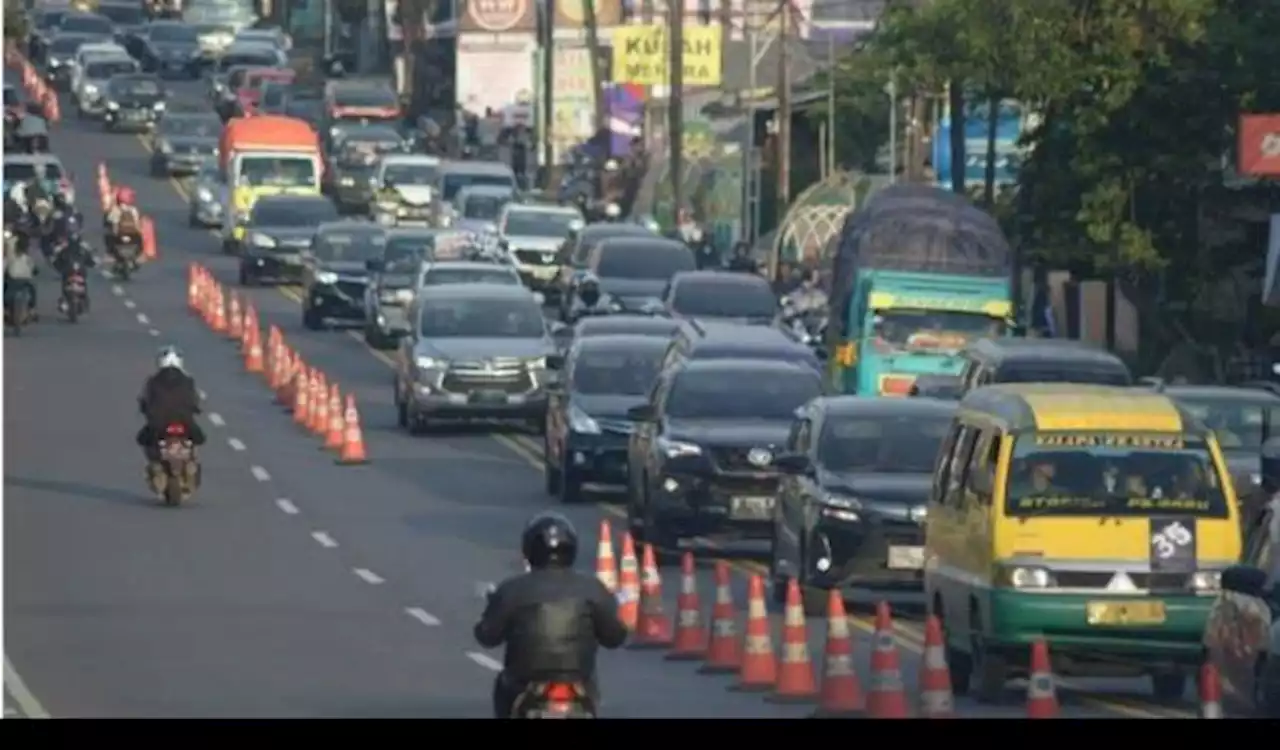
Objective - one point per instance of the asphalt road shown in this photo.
(291, 586)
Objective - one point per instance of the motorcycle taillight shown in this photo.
(175, 430)
(558, 692)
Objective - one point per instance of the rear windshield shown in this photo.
(653, 262)
(126, 15)
(1062, 371)
(470, 276)
(1113, 474)
(172, 33)
(87, 25)
(727, 300)
(882, 444)
(22, 172)
(102, 70)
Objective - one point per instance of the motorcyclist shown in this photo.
(808, 297)
(19, 271)
(741, 259)
(552, 618)
(691, 235)
(168, 397)
(73, 252)
(588, 300)
(123, 221)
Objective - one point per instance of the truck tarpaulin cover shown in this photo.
(918, 229)
(267, 133)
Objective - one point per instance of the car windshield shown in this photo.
(66, 45)
(277, 172)
(882, 444)
(1113, 474)
(23, 172)
(337, 245)
(906, 330)
(1050, 371)
(1235, 422)
(49, 19)
(539, 224)
(482, 318)
(293, 213)
(173, 33)
(727, 300)
(366, 98)
(122, 15)
(135, 87)
(643, 261)
(741, 394)
(616, 372)
(210, 29)
(455, 181)
(484, 207)
(250, 59)
(191, 127)
(100, 71)
(438, 276)
(87, 25)
(409, 174)
(403, 254)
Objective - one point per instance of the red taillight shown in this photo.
(64, 184)
(175, 430)
(560, 693)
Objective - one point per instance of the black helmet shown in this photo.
(589, 290)
(549, 541)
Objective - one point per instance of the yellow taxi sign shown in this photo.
(995, 308)
(640, 55)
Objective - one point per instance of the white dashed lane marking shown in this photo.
(235, 444)
(216, 419)
(130, 304)
(143, 319)
(484, 660)
(117, 290)
(326, 541)
(368, 576)
(153, 331)
(422, 616)
(203, 395)
(287, 506)
(260, 473)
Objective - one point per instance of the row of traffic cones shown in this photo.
(34, 84)
(791, 678)
(316, 404)
(106, 195)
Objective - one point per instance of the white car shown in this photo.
(90, 51)
(97, 72)
(413, 177)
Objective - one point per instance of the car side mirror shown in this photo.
(374, 265)
(641, 413)
(796, 464)
(1244, 579)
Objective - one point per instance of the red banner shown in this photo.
(1258, 153)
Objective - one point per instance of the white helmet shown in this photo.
(169, 356)
(612, 210)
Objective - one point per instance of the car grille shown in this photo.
(735, 460)
(535, 257)
(507, 381)
(904, 533)
(1094, 579)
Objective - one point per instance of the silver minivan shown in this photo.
(456, 175)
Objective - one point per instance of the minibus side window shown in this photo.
(958, 473)
(942, 470)
(986, 447)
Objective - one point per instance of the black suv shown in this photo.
(701, 458)
(721, 295)
(335, 272)
(699, 340)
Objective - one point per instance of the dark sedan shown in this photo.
(183, 141)
(851, 505)
(278, 234)
(335, 272)
(169, 48)
(133, 101)
(587, 425)
(1241, 418)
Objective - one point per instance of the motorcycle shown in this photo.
(18, 311)
(180, 473)
(125, 256)
(554, 700)
(75, 293)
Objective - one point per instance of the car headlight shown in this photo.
(90, 90)
(537, 363)
(1205, 580)
(158, 106)
(404, 295)
(1020, 577)
(166, 148)
(841, 507)
(388, 206)
(446, 220)
(261, 240)
(346, 182)
(205, 195)
(326, 277)
(113, 106)
(678, 449)
(430, 363)
(582, 423)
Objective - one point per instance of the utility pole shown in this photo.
(675, 103)
(783, 115)
(597, 76)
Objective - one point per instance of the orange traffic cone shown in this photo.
(1210, 692)
(235, 319)
(653, 629)
(302, 395)
(841, 694)
(886, 698)
(319, 423)
(52, 110)
(628, 584)
(1042, 696)
(353, 441)
(248, 322)
(796, 683)
(193, 286)
(690, 643)
(936, 699)
(253, 361)
(150, 250)
(273, 353)
(724, 652)
(606, 566)
(219, 311)
(759, 670)
(288, 371)
(333, 438)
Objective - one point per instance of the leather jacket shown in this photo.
(169, 396)
(552, 622)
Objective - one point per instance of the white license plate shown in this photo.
(175, 451)
(751, 508)
(906, 558)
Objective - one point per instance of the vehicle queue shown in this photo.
(1041, 490)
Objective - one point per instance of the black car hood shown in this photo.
(397, 281)
(286, 234)
(134, 101)
(343, 267)
(186, 143)
(174, 48)
(904, 489)
(605, 406)
(731, 433)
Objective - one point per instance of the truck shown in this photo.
(264, 155)
(918, 272)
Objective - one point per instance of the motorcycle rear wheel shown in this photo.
(173, 492)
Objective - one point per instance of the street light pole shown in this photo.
(892, 91)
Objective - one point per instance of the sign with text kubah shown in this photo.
(640, 55)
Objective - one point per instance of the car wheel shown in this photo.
(312, 320)
(990, 668)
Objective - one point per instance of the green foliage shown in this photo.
(15, 22)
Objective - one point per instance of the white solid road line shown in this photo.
(287, 506)
(235, 444)
(368, 576)
(130, 304)
(27, 702)
(259, 473)
(216, 419)
(422, 616)
(484, 660)
(327, 541)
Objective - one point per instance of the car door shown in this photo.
(640, 445)
(558, 410)
(793, 494)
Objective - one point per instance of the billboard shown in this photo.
(640, 55)
(1258, 152)
(1009, 125)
